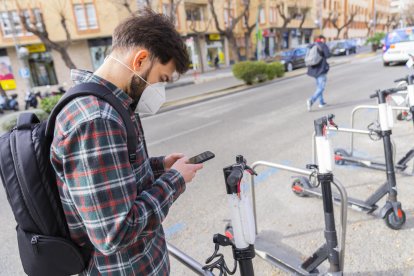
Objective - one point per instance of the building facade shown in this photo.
(267, 27)
(354, 18)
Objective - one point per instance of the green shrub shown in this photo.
(260, 71)
(250, 71)
(243, 71)
(8, 121)
(260, 68)
(48, 103)
(275, 69)
(375, 39)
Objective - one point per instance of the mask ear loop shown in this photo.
(126, 66)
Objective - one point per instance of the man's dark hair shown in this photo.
(321, 37)
(156, 33)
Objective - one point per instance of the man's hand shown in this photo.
(171, 159)
(188, 171)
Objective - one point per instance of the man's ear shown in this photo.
(139, 59)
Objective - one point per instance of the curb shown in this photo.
(176, 104)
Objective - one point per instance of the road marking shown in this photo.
(182, 133)
(174, 229)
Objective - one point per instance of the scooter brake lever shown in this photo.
(332, 123)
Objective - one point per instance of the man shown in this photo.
(319, 72)
(115, 205)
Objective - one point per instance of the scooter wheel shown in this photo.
(298, 187)
(338, 154)
(394, 222)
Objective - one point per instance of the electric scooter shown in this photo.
(241, 233)
(332, 251)
(342, 157)
(391, 212)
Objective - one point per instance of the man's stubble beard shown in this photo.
(137, 86)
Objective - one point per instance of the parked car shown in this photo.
(294, 58)
(342, 47)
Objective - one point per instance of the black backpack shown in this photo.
(28, 177)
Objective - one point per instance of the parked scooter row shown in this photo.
(32, 99)
(243, 235)
(8, 103)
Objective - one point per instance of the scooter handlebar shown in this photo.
(388, 91)
(400, 80)
(235, 176)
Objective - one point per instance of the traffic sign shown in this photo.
(24, 72)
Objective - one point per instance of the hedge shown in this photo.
(48, 103)
(257, 71)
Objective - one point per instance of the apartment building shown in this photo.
(270, 25)
(357, 18)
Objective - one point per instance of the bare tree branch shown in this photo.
(346, 23)
(42, 33)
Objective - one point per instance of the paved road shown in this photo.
(271, 123)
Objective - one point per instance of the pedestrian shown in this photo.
(319, 72)
(115, 205)
(216, 62)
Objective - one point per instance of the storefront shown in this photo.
(41, 66)
(299, 37)
(99, 49)
(215, 48)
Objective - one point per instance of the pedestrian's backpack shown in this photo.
(313, 56)
(28, 177)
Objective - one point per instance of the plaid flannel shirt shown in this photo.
(116, 205)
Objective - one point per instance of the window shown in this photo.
(272, 14)
(42, 69)
(85, 16)
(228, 14)
(262, 16)
(10, 21)
(194, 14)
(166, 8)
(6, 19)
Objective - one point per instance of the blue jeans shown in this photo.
(320, 88)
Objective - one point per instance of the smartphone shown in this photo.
(201, 158)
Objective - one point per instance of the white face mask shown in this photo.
(153, 96)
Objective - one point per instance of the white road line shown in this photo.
(182, 133)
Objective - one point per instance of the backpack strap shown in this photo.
(103, 93)
(26, 120)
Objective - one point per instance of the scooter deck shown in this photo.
(276, 257)
(399, 167)
(353, 203)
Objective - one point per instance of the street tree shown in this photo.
(303, 14)
(228, 30)
(248, 29)
(335, 20)
(36, 25)
(372, 22)
(408, 14)
(287, 15)
(391, 23)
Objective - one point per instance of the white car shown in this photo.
(398, 45)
